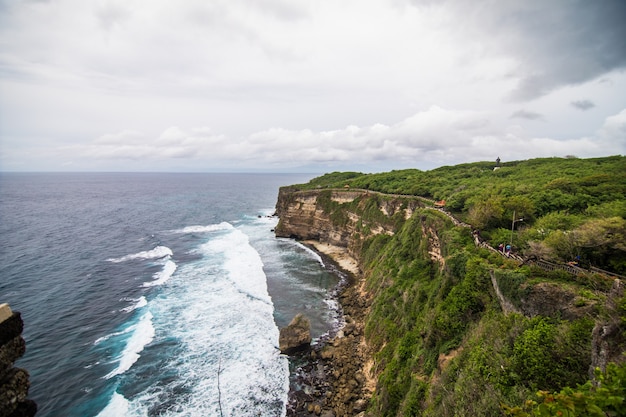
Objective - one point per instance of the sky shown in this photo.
(307, 85)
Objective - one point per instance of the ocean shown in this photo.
(156, 294)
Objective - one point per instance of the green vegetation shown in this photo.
(422, 314)
(571, 208)
(607, 397)
(442, 344)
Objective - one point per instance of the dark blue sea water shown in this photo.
(155, 294)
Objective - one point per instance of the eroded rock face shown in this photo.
(296, 336)
(301, 218)
(552, 300)
(14, 382)
(303, 215)
(608, 337)
(335, 381)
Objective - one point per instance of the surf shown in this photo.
(216, 316)
(156, 253)
(142, 334)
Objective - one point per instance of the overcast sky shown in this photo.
(307, 85)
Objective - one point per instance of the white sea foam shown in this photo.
(156, 253)
(266, 217)
(241, 332)
(117, 407)
(205, 229)
(108, 336)
(242, 263)
(142, 334)
(314, 254)
(221, 317)
(138, 303)
(162, 276)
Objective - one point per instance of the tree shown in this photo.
(607, 397)
(487, 213)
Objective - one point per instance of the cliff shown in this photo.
(437, 324)
(14, 382)
(339, 217)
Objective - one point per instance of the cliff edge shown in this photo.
(437, 324)
(14, 382)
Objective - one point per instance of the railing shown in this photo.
(602, 271)
(549, 266)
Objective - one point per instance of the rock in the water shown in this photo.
(296, 336)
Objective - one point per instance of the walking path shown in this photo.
(543, 264)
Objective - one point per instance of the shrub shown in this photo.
(606, 398)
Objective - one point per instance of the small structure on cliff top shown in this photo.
(14, 382)
(296, 336)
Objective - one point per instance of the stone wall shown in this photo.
(14, 382)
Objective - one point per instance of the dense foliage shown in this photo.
(604, 397)
(572, 209)
(442, 344)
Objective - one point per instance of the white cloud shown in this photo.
(429, 138)
(301, 82)
(614, 131)
(126, 137)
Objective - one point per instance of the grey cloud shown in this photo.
(554, 43)
(528, 115)
(569, 43)
(281, 9)
(110, 14)
(583, 104)
(80, 68)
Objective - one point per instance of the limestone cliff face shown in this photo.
(336, 216)
(302, 218)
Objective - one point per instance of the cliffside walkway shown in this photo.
(540, 263)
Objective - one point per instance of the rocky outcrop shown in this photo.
(335, 217)
(296, 336)
(301, 217)
(608, 336)
(333, 378)
(14, 382)
(553, 300)
(347, 356)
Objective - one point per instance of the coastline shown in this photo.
(338, 255)
(332, 378)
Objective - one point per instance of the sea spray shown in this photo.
(215, 315)
(142, 334)
(156, 253)
(162, 276)
(137, 303)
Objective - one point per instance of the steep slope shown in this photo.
(451, 328)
